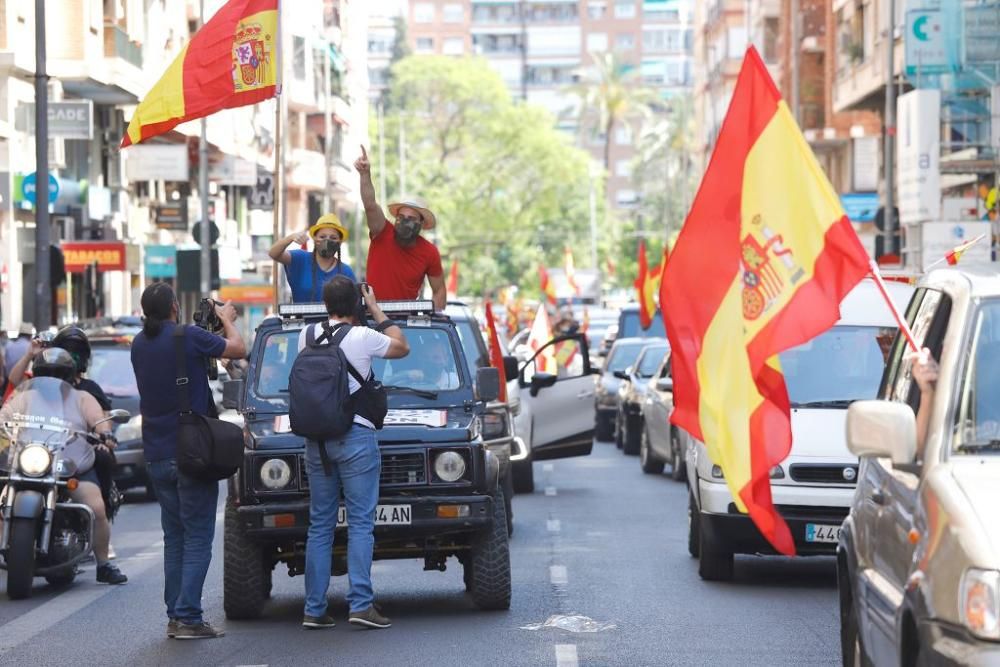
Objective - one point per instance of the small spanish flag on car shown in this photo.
(232, 61)
(955, 254)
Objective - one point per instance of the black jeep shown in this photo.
(439, 492)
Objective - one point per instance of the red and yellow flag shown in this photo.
(548, 287)
(955, 254)
(452, 287)
(647, 287)
(540, 334)
(571, 271)
(496, 354)
(232, 61)
(763, 261)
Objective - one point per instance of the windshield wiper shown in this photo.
(422, 393)
(992, 446)
(840, 403)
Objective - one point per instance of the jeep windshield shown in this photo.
(432, 370)
(978, 425)
(842, 365)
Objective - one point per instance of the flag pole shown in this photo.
(903, 326)
(279, 177)
(962, 248)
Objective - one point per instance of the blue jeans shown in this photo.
(187, 514)
(355, 466)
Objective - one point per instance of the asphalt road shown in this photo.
(598, 538)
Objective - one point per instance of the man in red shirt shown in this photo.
(398, 258)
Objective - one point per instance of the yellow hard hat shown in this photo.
(328, 221)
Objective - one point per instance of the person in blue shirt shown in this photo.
(306, 271)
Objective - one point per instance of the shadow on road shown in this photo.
(780, 572)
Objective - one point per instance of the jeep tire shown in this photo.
(490, 562)
(246, 578)
(604, 427)
(714, 562)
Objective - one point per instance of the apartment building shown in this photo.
(541, 48)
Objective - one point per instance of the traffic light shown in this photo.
(881, 246)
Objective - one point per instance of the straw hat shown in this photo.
(418, 205)
(26, 329)
(328, 221)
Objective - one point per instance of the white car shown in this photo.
(813, 487)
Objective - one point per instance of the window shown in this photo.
(978, 415)
(624, 9)
(453, 13)
(625, 40)
(423, 12)
(650, 360)
(425, 45)
(453, 46)
(596, 10)
(623, 168)
(623, 135)
(626, 198)
(927, 314)
(597, 41)
(299, 57)
(771, 34)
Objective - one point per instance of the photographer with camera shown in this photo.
(307, 272)
(187, 504)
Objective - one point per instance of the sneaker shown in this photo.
(369, 618)
(172, 626)
(317, 622)
(197, 631)
(110, 574)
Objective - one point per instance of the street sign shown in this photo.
(926, 46)
(172, 216)
(213, 232)
(157, 162)
(918, 153)
(29, 184)
(262, 195)
(73, 119)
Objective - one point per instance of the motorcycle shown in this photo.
(44, 533)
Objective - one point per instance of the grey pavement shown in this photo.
(598, 538)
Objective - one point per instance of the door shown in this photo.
(659, 405)
(560, 390)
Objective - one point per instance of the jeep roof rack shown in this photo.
(314, 310)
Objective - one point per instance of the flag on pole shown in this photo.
(955, 254)
(540, 334)
(232, 61)
(452, 287)
(514, 316)
(761, 265)
(571, 271)
(548, 287)
(496, 354)
(647, 286)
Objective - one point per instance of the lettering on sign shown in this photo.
(109, 257)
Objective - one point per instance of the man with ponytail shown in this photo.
(187, 505)
(307, 272)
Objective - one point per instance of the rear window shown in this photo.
(651, 358)
(630, 326)
(111, 368)
(623, 356)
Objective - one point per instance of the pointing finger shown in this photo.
(364, 153)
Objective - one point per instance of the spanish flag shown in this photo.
(955, 254)
(571, 271)
(647, 286)
(232, 61)
(496, 354)
(763, 261)
(548, 287)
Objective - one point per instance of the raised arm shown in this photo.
(279, 251)
(19, 369)
(373, 212)
(399, 347)
(235, 347)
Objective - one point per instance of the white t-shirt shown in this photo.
(359, 346)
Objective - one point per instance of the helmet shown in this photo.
(75, 341)
(54, 362)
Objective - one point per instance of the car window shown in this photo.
(630, 326)
(665, 371)
(468, 330)
(623, 356)
(927, 316)
(844, 363)
(650, 361)
(979, 396)
(562, 359)
(111, 368)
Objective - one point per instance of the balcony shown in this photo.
(860, 83)
(118, 45)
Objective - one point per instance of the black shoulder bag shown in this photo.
(207, 449)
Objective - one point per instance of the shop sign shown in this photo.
(172, 216)
(110, 256)
(247, 293)
(161, 261)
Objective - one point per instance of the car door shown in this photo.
(561, 401)
(660, 403)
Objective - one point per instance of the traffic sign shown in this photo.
(29, 183)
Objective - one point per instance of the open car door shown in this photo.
(559, 385)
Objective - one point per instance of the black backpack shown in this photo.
(320, 404)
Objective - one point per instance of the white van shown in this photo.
(814, 486)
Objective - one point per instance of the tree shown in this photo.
(509, 190)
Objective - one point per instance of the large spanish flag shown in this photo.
(232, 61)
(764, 259)
(647, 286)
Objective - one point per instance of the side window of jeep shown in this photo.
(927, 315)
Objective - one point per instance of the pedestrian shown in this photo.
(352, 468)
(17, 348)
(398, 258)
(187, 504)
(306, 271)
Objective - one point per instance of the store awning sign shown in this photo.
(110, 256)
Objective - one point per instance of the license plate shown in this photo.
(818, 532)
(385, 515)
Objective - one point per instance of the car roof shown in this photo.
(622, 342)
(971, 281)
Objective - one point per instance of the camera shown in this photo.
(361, 310)
(206, 318)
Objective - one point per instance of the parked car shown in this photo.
(623, 354)
(661, 442)
(632, 394)
(629, 325)
(814, 486)
(918, 559)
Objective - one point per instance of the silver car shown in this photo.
(919, 555)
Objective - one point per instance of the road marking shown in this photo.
(550, 490)
(553, 525)
(547, 467)
(558, 575)
(566, 655)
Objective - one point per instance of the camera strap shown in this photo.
(183, 395)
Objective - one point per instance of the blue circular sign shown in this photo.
(29, 186)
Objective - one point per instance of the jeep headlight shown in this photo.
(449, 466)
(34, 460)
(275, 474)
(980, 602)
(131, 430)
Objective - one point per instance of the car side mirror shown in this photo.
(487, 383)
(665, 384)
(120, 416)
(621, 375)
(232, 391)
(511, 367)
(540, 381)
(882, 429)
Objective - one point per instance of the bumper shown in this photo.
(947, 644)
(131, 468)
(290, 520)
(606, 411)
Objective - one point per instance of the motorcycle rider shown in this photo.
(58, 363)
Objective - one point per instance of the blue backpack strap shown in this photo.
(311, 336)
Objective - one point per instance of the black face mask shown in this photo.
(407, 232)
(327, 248)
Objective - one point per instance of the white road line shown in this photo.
(566, 655)
(553, 525)
(547, 467)
(558, 575)
(550, 490)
